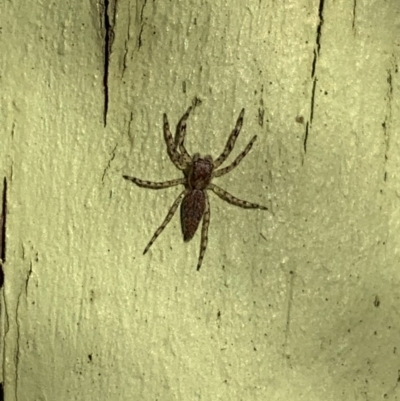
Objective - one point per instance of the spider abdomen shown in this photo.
(192, 210)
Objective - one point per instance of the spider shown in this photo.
(198, 172)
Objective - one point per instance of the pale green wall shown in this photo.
(283, 308)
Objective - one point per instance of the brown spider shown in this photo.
(198, 172)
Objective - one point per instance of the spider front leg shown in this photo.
(173, 154)
(238, 159)
(154, 185)
(226, 196)
(170, 214)
(231, 141)
(180, 136)
(204, 232)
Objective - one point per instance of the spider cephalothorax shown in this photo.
(198, 172)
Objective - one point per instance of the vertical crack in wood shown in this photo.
(261, 110)
(17, 347)
(314, 70)
(353, 23)
(3, 231)
(288, 315)
(386, 122)
(126, 48)
(109, 22)
(106, 60)
(109, 163)
(141, 21)
(28, 277)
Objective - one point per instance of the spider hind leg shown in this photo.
(154, 185)
(167, 219)
(226, 196)
(204, 232)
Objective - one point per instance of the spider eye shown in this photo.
(208, 158)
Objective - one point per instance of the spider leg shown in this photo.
(155, 185)
(180, 136)
(171, 148)
(238, 159)
(204, 232)
(167, 219)
(231, 141)
(226, 196)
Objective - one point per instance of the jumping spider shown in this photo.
(198, 172)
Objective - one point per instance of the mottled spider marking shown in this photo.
(226, 196)
(155, 185)
(198, 172)
(192, 211)
(231, 141)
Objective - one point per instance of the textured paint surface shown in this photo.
(305, 307)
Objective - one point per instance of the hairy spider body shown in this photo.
(198, 173)
(193, 207)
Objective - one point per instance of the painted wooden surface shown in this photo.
(298, 304)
